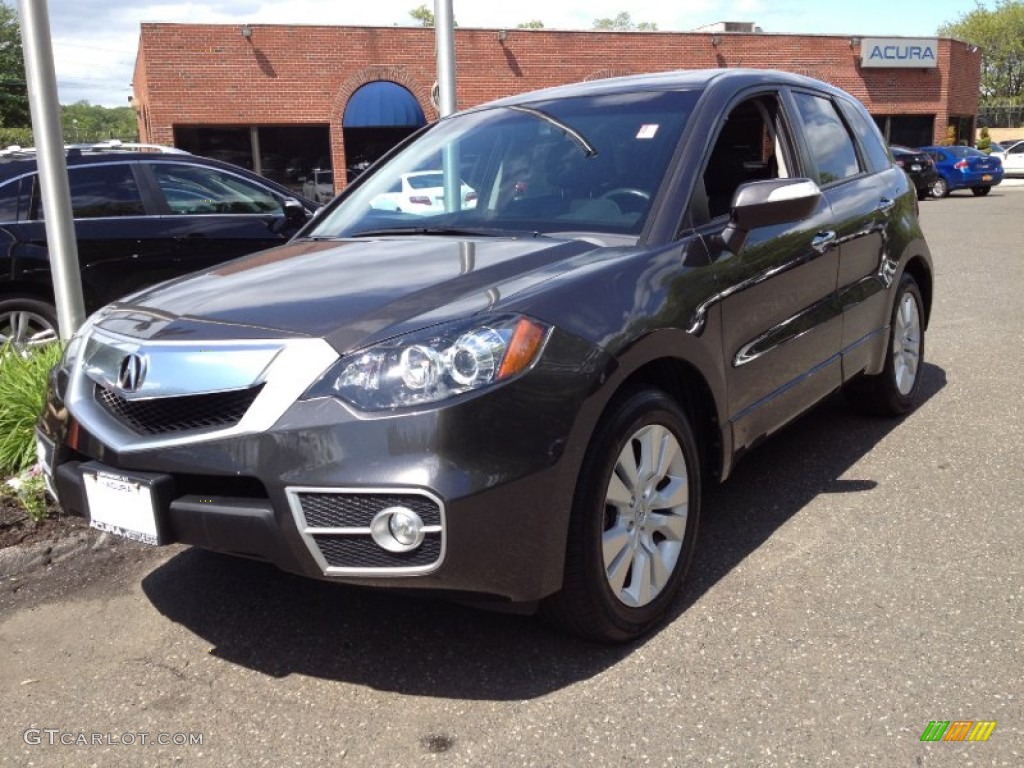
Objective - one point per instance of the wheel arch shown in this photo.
(21, 289)
(686, 385)
(918, 268)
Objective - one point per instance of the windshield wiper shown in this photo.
(588, 149)
(456, 231)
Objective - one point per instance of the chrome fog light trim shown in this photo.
(384, 532)
(397, 529)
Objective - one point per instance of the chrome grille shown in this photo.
(163, 415)
(335, 510)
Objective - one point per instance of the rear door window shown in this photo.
(98, 191)
(828, 140)
(870, 138)
(9, 194)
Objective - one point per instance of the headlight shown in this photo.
(61, 373)
(435, 364)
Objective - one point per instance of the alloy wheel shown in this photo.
(646, 508)
(25, 329)
(906, 344)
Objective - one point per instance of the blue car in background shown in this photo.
(964, 168)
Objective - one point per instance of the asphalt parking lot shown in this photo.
(855, 580)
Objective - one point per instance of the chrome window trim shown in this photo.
(292, 492)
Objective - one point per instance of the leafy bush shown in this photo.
(22, 388)
(21, 137)
(28, 490)
(984, 142)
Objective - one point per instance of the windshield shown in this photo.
(567, 165)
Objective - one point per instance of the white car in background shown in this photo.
(1013, 159)
(319, 185)
(420, 192)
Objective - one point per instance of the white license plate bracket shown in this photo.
(121, 504)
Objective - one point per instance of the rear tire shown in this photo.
(894, 390)
(633, 524)
(980, 191)
(27, 322)
(940, 188)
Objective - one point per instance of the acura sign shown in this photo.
(899, 52)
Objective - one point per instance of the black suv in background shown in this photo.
(920, 167)
(142, 214)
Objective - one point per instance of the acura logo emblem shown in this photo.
(131, 373)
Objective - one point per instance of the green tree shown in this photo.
(623, 23)
(423, 15)
(85, 122)
(14, 111)
(533, 24)
(1000, 35)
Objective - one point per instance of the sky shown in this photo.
(95, 41)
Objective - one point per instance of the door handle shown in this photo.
(823, 241)
(885, 205)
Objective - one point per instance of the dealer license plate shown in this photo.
(987, 177)
(121, 505)
(915, 167)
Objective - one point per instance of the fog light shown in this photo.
(397, 529)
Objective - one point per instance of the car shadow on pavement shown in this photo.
(272, 622)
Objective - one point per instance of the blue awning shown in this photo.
(382, 104)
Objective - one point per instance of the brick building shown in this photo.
(287, 99)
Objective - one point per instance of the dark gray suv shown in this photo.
(517, 395)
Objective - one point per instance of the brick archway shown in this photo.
(398, 75)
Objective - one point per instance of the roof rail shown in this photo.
(131, 146)
(100, 146)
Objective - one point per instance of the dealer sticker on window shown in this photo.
(121, 505)
(647, 131)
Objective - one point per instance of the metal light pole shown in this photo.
(53, 171)
(444, 33)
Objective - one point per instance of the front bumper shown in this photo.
(492, 475)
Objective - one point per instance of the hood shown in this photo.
(349, 292)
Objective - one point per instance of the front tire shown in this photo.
(27, 322)
(980, 191)
(940, 188)
(894, 390)
(634, 521)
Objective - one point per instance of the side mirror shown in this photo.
(767, 203)
(294, 212)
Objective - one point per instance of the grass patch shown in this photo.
(22, 390)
